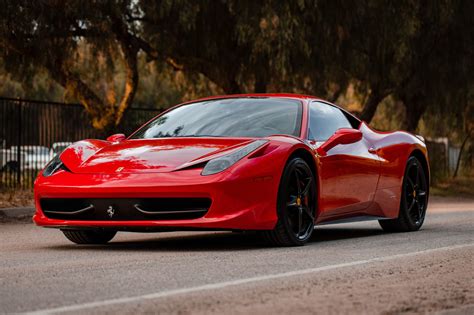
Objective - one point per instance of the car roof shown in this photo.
(256, 95)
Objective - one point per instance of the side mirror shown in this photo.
(119, 137)
(341, 136)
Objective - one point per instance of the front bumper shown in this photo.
(238, 202)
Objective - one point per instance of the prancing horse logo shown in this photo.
(111, 211)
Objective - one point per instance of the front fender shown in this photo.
(78, 152)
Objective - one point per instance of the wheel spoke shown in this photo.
(418, 210)
(298, 183)
(421, 193)
(410, 182)
(413, 201)
(417, 173)
(307, 187)
(308, 212)
(300, 221)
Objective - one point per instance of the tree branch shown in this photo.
(153, 54)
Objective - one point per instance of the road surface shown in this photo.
(349, 268)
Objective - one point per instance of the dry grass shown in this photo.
(10, 198)
(458, 187)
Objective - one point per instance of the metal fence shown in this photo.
(32, 132)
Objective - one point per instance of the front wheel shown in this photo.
(89, 236)
(296, 206)
(414, 200)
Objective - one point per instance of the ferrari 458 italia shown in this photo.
(280, 164)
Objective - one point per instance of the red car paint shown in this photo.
(360, 178)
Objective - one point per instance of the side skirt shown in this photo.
(353, 219)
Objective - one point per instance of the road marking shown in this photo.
(225, 284)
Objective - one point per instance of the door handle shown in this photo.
(372, 150)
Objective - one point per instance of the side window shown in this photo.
(324, 120)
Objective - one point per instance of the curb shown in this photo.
(16, 214)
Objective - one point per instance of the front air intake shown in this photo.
(124, 209)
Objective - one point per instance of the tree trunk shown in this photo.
(131, 81)
(260, 84)
(413, 117)
(261, 76)
(230, 86)
(104, 115)
(59, 70)
(371, 105)
(333, 98)
(415, 107)
(458, 163)
(411, 121)
(101, 114)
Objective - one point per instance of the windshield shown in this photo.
(233, 117)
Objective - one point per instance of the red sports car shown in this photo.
(275, 163)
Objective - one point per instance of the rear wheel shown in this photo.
(296, 206)
(414, 200)
(89, 236)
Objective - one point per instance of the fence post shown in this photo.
(18, 152)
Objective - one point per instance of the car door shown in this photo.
(348, 173)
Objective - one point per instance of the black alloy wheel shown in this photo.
(296, 206)
(414, 200)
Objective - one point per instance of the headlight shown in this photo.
(53, 166)
(224, 162)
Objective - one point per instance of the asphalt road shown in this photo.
(350, 268)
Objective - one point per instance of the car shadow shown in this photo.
(219, 241)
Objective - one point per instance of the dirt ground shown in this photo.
(16, 198)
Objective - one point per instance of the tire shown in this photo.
(89, 236)
(295, 206)
(413, 201)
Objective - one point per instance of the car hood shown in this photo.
(145, 155)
